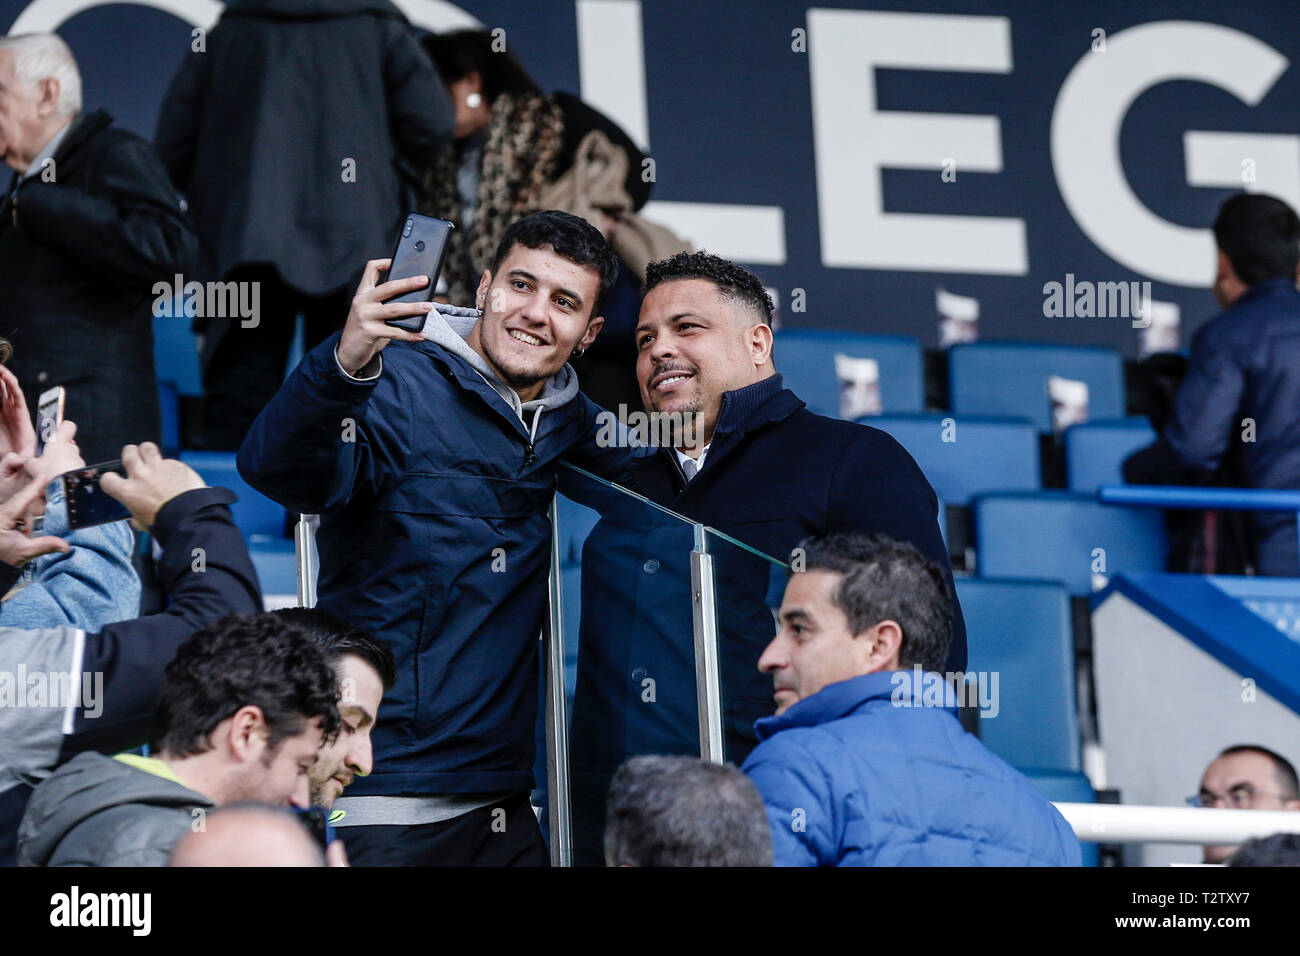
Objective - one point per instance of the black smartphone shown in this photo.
(87, 503)
(316, 820)
(420, 250)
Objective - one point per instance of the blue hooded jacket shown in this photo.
(872, 771)
(434, 536)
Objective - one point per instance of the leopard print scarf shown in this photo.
(520, 147)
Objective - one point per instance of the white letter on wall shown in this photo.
(855, 140)
(1086, 124)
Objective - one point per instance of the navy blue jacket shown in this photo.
(875, 771)
(775, 474)
(434, 536)
(1245, 363)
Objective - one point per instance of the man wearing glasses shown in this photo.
(1246, 777)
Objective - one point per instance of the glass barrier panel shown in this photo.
(627, 619)
(749, 585)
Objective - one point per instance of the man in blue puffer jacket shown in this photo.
(864, 762)
(432, 466)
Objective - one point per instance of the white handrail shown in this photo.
(1124, 823)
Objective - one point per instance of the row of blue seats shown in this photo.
(985, 378)
(965, 456)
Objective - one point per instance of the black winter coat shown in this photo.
(77, 277)
(263, 130)
(775, 474)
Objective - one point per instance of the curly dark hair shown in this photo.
(571, 237)
(734, 282)
(885, 579)
(259, 660)
(337, 639)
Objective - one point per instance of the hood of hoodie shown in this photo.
(451, 332)
(86, 785)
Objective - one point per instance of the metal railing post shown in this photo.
(704, 611)
(304, 541)
(557, 718)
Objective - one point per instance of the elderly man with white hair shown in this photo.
(88, 224)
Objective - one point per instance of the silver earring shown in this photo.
(474, 101)
(577, 353)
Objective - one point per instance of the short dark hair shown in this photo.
(1285, 770)
(337, 639)
(884, 579)
(683, 811)
(458, 53)
(259, 660)
(736, 283)
(571, 237)
(1260, 235)
(1280, 849)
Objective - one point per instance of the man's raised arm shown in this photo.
(317, 443)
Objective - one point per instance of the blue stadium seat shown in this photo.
(1095, 451)
(1061, 536)
(176, 356)
(1060, 787)
(277, 571)
(1022, 632)
(1010, 378)
(258, 517)
(982, 454)
(806, 360)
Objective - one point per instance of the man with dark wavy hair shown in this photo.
(244, 709)
(431, 458)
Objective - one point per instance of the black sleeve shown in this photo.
(130, 229)
(177, 133)
(878, 487)
(207, 571)
(420, 113)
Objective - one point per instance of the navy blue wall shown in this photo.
(731, 121)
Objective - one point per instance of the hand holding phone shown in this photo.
(151, 481)
(367, 332)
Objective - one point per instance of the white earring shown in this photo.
(474, 101)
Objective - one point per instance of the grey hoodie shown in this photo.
(97, 811)
(449, 327)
